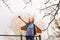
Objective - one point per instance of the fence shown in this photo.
(21, 36)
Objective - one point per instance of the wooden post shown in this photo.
(21, 36)
(39, 37)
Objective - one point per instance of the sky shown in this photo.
(17, 6)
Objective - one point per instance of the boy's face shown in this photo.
(31, 20)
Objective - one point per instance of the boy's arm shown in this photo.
(21, 19)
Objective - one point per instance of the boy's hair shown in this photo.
(32, 18)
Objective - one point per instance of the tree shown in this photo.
(54, 8)
(57, 22)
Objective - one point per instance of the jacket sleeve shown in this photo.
(23, 28)
(38, 30)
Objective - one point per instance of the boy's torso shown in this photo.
(30, 30)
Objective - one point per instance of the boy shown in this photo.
(30, 28)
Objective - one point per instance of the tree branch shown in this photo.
(53, 17)
(7, 6)
(48, 7)
(50, 13)
(30, 1)
(47, 1)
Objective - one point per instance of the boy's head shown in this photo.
(31, 20)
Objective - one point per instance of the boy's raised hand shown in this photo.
(19, 17)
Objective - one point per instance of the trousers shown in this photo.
(29, 37)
